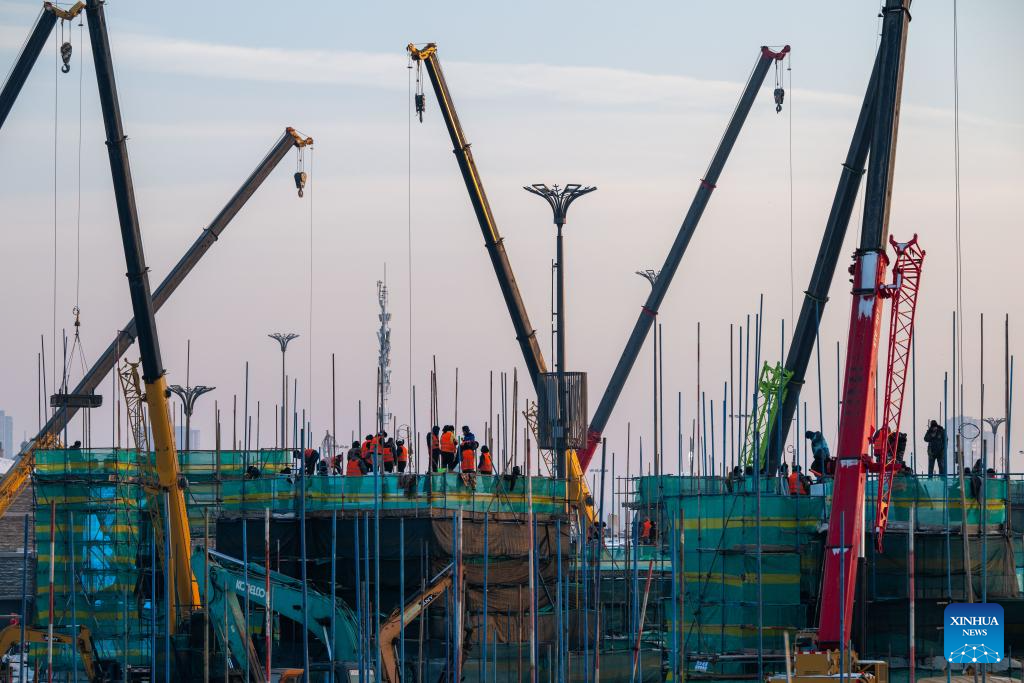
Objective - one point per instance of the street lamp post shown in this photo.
(652, 277)
(559, 198)
(283, 338)
(188, 395)
(993, 423)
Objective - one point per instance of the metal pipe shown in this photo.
(805, 334)
(675, 256)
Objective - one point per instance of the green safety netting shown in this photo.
(93, 514)
(102, 523)
(282, 493)
(719, 560)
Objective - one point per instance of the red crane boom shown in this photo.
(903, 295)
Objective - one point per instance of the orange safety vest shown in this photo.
(435, 443)
(403, 454)
(645, 529)
(367, 448)
(385, 451)
(353, 469)
(448, 442)
(794, 483)
(468, 460)
(486, 466)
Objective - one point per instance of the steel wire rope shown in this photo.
(309, 331)
(957, 235)
(408, 228)
(56, 101)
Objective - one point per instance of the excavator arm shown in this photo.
(230, 581)
(400, 618)
(82, 643)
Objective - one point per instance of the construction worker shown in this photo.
(795, 481)
(935, 437)
(448, 447)
(645, 531)
(434, 448)
(468, 450)
(652, 537)
(387, 451)
(819, 448)
(311, 458)
(486, 464)
(366, 451)
(401, 455)
(356, 466)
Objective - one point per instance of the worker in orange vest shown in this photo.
(645, 531)
(356, 467)
(434, 448)
(486, 464)
(796, 482)
(366, 451)
(468, 448)
(401, 455)
(448, 447)
(387, 451)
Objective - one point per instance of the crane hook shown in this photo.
(780, 94)
(300, 181)
(65, 55)
(421, 105)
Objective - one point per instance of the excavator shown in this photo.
(230, 581)
(96, 671)
(392, 629)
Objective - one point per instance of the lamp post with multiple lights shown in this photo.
(559, 199)
(283, 338)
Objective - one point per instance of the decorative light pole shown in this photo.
(189, 395)
(652, 277)
(993, 423)
(560, 198)
(283, 338)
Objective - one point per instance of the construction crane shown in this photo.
(426, 56)
(328, 620)
(773, 385)
(18, 476)
(525, 334)
(831, 653)
(649, 311)
(391, 629)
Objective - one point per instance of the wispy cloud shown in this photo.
(592, 86)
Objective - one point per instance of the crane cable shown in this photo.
(957, 235)
(419, 103)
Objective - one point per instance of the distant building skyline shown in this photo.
(7, 435)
